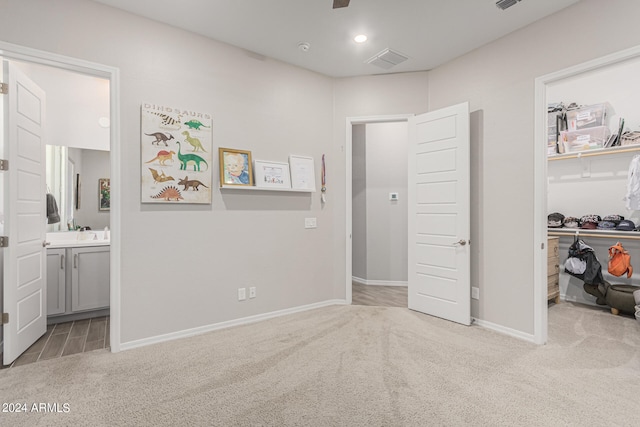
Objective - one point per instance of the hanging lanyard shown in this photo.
(324, 176)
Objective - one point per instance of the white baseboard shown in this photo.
(504, 330)
(377, 282)
(236, 322)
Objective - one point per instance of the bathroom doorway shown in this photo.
(77, 195)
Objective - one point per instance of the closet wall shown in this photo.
(596, 185)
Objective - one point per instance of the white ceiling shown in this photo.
(430, 32)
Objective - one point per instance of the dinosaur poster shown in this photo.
(176, 155)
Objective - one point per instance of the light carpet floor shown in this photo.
(349, 366)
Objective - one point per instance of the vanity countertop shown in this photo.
(72, 239)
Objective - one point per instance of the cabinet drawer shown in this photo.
(552, 247)
(553, 266)
(552, 286)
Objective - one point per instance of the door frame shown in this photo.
(21, 53)
(364, 120)
(540, 311)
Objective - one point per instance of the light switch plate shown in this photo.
(310, 223)
(393, 197)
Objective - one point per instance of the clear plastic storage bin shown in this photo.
(585, 139)
(587, 117)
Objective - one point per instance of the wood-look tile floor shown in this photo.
(68, 338)
(386, 296)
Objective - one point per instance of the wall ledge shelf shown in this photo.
(254, 188)
(595, 152)
(605, 234)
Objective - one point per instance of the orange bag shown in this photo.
(619, 261)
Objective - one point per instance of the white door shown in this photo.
(24, 206)
(439, 219)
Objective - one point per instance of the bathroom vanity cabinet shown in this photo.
(77, 280)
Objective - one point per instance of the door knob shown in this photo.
(45, 244)
(460, 242)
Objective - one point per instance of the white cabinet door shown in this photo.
(56, 281)
(89, 278)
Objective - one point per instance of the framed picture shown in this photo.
(272, 174)
(78, 188)
(235, 167)
(104, 189)
(302, 173)
(176, 155)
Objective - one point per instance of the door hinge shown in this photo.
(4, 165)
(4, 242)
(4, 88)
(5, 319)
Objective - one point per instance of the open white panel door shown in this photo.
(439, 218)
(24, 275)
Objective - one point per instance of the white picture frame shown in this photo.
(303, 175)
(271, 174)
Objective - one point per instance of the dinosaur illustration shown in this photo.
(186, 158)
(160, 177)
(195, 142)
(169, 193)
(167, 121)
(195, 124)
(194, 183)
(163, 156)
(160, 137)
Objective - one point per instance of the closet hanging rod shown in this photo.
(604, 236)
(597, 152)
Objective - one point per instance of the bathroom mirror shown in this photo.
(65, 165)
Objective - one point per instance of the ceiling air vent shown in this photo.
(504, 4)
(387, 59)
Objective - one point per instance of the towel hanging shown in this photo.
(53, 217)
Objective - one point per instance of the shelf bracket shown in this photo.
(585, 166)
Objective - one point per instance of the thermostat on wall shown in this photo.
(393, 197)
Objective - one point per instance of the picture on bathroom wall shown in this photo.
(104, 189)
(176, 155)
(78, 188)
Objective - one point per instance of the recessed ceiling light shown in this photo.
(360, 38)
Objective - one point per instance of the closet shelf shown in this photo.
(595, 152)
(605, 234)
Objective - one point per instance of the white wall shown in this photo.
(387, 220)
(498, 81)
(359, 203)
(75, 103)
(182, 264)
(379, 225)
(95, 165)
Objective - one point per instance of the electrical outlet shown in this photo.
(242, 294)
(310, 223)
(252, 292)
(475, 292)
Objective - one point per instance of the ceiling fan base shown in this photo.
(340, 3)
